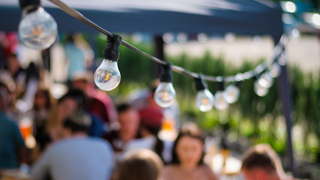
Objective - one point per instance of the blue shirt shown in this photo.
(75, 158)
(10, 141)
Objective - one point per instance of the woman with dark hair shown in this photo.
(150, 124)
(187, 159)
(42, 104)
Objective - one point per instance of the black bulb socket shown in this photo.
(25, 3)
(222, 86)
(166, 73)
(200, 84)
(111, 52)
(237, 83)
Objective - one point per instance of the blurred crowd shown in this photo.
(83, 135)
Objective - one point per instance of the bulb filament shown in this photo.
(108, 74)
(37, 31)
(107, 77)
(165, 95)
(204, 101)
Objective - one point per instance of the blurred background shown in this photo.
(251, 120)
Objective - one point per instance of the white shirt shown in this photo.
(76, 159)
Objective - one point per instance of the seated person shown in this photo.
(187, 158)
(77, 156)
(98, 102)
(12, 146)
(261, 162)
(128, 119)
(140, 164)
(150, 124)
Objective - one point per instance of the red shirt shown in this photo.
(101, 105)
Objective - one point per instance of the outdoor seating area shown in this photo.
(163, 90)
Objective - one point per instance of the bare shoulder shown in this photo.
(208, 172)
(169, 168)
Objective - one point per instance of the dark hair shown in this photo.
(124, 107)
(70, 38)
(74, 122)
(48, 96)
(75, 94)
(159, 146)
(140, 165)
(32, 72)
(258, 158)
(175, 159)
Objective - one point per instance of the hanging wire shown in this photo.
(239, 77)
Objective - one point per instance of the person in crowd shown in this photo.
(30, 85)
(75, 56)
(17, 73)
(98, 102)
(10, 85)
(12, 151)
(187, 159)
(8, 45)
(78, 53)
(69, 103)
(52, 131)
(77, 156)
(43, 103)
(128, 119)
(261, 162)
(150, 124)
(140, 165)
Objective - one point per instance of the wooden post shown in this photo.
(285, 97)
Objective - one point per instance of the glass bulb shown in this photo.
(260, 90)
(107, 77)
(275, 70)
(220, 100)
(204, 100)
(266, 80)
(37, 29)
(165, 94)
(232, 92)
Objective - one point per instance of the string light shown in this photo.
(275, 70)
(221, 97)
(107, 77)
(232, 92)
(204, 99)
(165, 94)
(258, 88)
(37, 28)
(266, 80)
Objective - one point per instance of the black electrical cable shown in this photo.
(239, 77)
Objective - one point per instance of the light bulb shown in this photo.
(37, 29)
(232, 93)
(165, 94)
(220, 102)
(266, 80)
(107, 77)
(204, 100)
(275, 70)
(260, 90)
